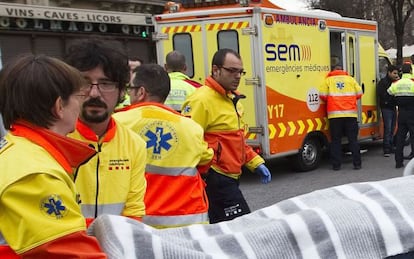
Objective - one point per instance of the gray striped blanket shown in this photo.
(358, 220)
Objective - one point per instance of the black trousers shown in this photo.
(226, 201)
(338, 128)
(405, 124)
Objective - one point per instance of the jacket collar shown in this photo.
(137, 105)
(89, 134)
(213, 84)
(337, 73)
(69, 153)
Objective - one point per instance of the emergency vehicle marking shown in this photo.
(53, 206)
(293, 128)
(181, 29)
(366, 119)
(227, 26)
(297, 20)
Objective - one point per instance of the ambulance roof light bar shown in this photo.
(173, 7)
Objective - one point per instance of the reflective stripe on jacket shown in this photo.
(175, 147)
(340, 92)
(112, 182)
(403, 90)
(180, 90)
(39, 208)
(220, 115)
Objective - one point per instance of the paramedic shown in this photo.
(39, 212)
(113, 182)
(340, 91)
(216, 107)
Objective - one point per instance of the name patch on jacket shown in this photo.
(161, 139)
(118, 164)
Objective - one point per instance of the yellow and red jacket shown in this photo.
(175, 147)
(340, 91)
(112, 182)
(39, 211)
(220, 115)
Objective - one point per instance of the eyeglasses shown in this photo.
(103, 86)
(234, 70)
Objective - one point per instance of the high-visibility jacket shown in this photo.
(403, 90)
(39, 212)
(112, 182)
(181, 88)
(220, 115)
(340, 91)
(175, 147)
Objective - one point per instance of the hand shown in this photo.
(264, 173)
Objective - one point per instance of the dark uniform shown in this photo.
(403, 90)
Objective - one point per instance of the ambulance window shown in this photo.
(228, 39)
(184, 44)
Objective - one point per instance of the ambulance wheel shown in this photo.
(309, 156)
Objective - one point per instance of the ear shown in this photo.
(142, 94)
(57, 108)
(214, 70)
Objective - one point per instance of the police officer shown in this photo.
(403, 90)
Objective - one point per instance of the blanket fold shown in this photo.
(358, 220)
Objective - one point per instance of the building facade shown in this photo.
(48, 26)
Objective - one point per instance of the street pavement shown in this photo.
(286, 183)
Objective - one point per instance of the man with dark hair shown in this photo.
(388, 108)
(216, 107)
(403, 90)
(113, 182)
(181, 85)
(175, 147)
(39, 213)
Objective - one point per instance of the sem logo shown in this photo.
(161, 139)
(284, 52)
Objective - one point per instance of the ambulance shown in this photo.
(287, 56)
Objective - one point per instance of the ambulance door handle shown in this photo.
(363, 88)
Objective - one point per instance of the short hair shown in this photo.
(87, 54)
(135, 58)
(30, 86)
(175, 61)
(406, 68)
(220, 55)
(391, 68)
(154, 79)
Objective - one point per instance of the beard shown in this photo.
(92, 116)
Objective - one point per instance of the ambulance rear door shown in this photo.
(361, 64)
(188, 38)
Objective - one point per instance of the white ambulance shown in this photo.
(287, 56)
